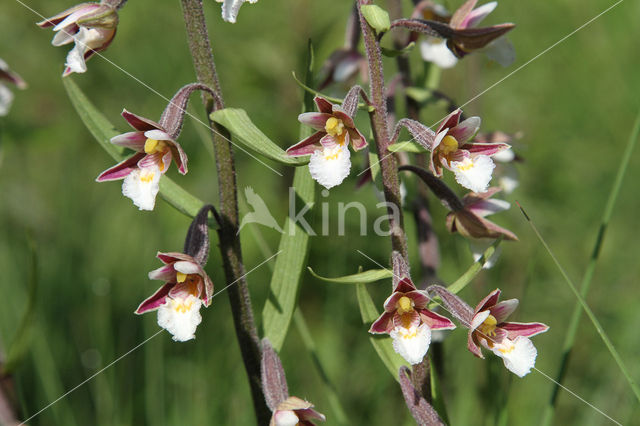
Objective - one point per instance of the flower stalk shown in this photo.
(200, 48)
(381, 134)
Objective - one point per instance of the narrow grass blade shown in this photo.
(572, 330)
(287, 273)
(381, 343)
(294, 247)
(102, 130)
(603, 335)
(330, 389)
(244, 132)
(359, 278)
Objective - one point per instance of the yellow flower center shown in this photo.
(334, 127)
(146, 176)
(404, 305)
(151, 146)
(488, 327)
(183, 306)
(180, 277)
(448, 145)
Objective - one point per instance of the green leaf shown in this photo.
(392, 53)
(361, 277)
(294, 248)
(102, 130)
(376, 17)
(244, 132)
(408, 146)
(418, 94)
(381, 342)
(285, 281)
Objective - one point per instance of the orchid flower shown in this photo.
(154, 150)
(407, 319)
(461, 34)
(6, 97)
(91, 26)
(330, 160)
(470, 220)
(230, 9)
(508, 340)
(469, 161)
(187, 287)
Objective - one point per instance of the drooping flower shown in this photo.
(330, 160)
(470, 220)
(91, 26)
(154, 150)
(407, 319)
(187, 287)
(6, 96)
(230, 9)
(469, 161)
(489, 40)
(465, 37)
(508, 340)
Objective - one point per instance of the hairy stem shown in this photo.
(378, 116)
(239, 297)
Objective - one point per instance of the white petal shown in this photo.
(186, 267)
(474, 173)
(285, 418)
(180, 317)
(435, 50)
(142, 185)
(479, 246)
(519, 355)
(413, 343)
(330, 166)
(345, 69)
(158, 135)
(6, 98)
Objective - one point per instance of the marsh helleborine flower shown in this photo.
(508, 340)
(469, 161)
(330, 160)
(6, 97)
(154, 150)
(187, 287)
(468, 38)
(91, 26)
(408, 321)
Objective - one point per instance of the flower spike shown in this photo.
(91, 26)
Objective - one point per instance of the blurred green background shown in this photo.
(92, 248)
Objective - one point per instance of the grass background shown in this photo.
(92, 249)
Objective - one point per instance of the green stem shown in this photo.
(200, 47)
(572, 330)
(378, 116)
(589, 312)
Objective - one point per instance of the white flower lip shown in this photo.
(142, 186)
(180, 317)
(330, 166)
(412, 343)
(519, 355)
(474, 173)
